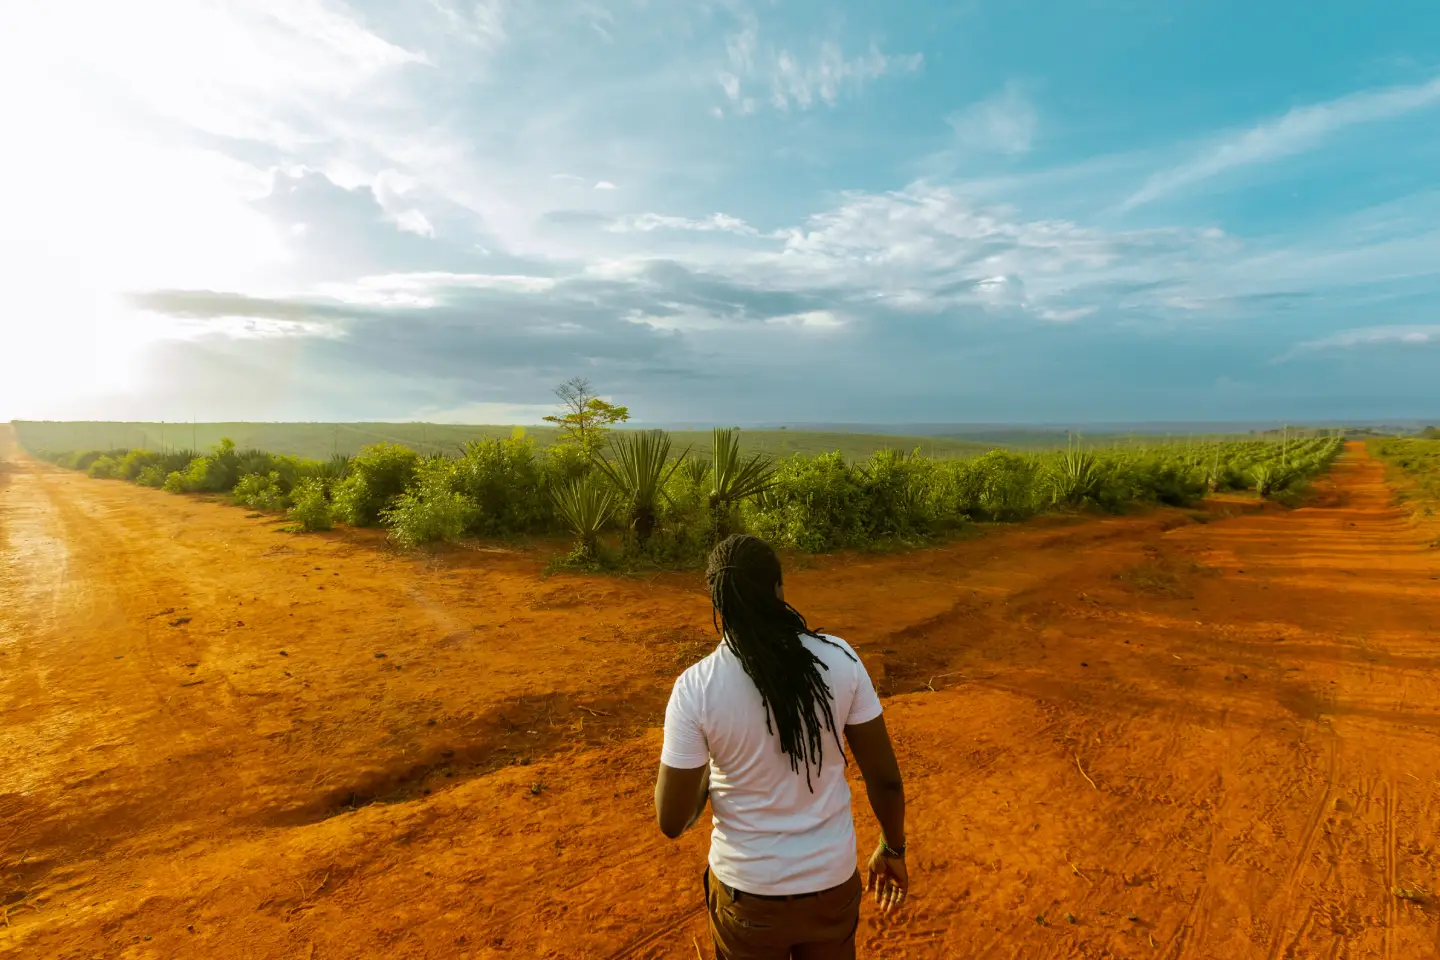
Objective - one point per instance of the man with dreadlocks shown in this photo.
(755, 728)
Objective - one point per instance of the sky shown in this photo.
(724, 211)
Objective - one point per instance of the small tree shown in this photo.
(586, 419)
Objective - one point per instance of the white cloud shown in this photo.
(1065, 316)
(1303, 128)
(797, 81)
(391, 189)
(647, 222)
(482, 24)
(1416, 335)
(800, 84)
(413, 221)
(605, 185)
(812, 319)
(1003, 123)
(426, 289)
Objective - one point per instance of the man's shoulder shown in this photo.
(830, 647)
(702, 671)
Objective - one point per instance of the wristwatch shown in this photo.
(895, 853)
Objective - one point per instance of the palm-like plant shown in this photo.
(695, 471)
(586, 507)
(336, 468)
(733, 478)
(1076, 477)
(639, 471)
(1269, 478)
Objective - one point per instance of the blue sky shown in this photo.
(729, 211)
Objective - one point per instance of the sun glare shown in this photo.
(109, 205)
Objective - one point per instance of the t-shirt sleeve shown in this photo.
(685, 747)
(866, 704)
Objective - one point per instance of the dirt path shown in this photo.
(1195, 739)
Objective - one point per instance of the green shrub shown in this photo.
(506, 483)
(1005, 486)
(812, 503)
(309, 505)
(216, 472)
(563, 463)
(135, 462)
(105, 468)
(260, 492)
(895, 486)
(151, 476)
(430, 509)
(378, 476)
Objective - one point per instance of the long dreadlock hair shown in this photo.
(764, 633)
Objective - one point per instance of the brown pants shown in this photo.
(817, 927)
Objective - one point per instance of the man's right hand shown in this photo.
(889, 880)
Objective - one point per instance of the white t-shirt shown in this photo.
(771, 834)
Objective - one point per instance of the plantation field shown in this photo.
(1178, 733)
(1416, 461)
(640, 498)
(322, 440)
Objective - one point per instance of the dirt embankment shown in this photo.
(1144, 736)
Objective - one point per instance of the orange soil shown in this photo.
(1195, 739)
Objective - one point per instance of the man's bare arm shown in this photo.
(680, 797)
(870, 746)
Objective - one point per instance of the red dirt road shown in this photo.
(1144, 736)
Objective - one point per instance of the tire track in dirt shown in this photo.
(1301, 863)
(1391, 881)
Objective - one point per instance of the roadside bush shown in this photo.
(134, 463)
(505, 483)
(216, 472)
(85, 459)
(812, 504)
(562, 464)
(309, 505)
(826, 503)
(378, 476)
(151, 476)
(105, 468)
(431, 509)
(260, 492)
(1006, 486)
(894, 486)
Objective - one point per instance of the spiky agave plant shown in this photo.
(586, 506)
(1075, 477)
(640, 469)
(695, 471)
(336, 468)
(733, 478)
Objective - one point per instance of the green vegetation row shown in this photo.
(324, 440)
(663, 503)
(1418, 460)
